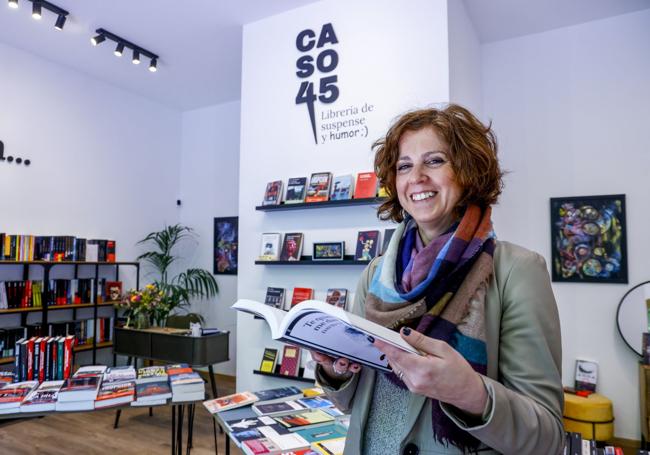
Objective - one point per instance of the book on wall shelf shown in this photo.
(296, 190)
(290, 364)
(274, 297)
(322, 327)
(319, 187)
(367, 245)
(337, 297)
(273, 193)
(342, 188)
(300, 295)
(292, 246)
(269, 360)
(366, 186)
(270, 248)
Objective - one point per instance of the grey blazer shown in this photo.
(524, 369)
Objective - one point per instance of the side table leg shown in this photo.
(213, 385)
(173, 429)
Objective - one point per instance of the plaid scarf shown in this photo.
(438, 289)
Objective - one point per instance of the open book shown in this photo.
(325, 328)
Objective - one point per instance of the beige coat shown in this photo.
(523, 378)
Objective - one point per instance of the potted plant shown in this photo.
(176, 290)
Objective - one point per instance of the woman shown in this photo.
(481, 311)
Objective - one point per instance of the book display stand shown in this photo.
(47, 267)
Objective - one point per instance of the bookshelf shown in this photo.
(321, 205)
(47, 267)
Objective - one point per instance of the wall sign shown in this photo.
(11, 159)
(319, 83)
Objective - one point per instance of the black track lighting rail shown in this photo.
(51, 7)
(128, 44)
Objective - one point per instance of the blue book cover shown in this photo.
(322, 433)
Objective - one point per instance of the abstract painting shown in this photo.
(226, 242)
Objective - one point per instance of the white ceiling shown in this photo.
(199, 41)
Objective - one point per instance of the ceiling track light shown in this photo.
(13, 4)
(103, 34)
(37, 11)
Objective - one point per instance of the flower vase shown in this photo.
(141, 321)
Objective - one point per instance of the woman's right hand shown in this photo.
(340, 369)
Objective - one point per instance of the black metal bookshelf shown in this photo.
(44, 310)
(321, 205)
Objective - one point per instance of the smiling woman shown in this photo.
(482, 312)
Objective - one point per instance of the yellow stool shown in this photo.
(593, 417)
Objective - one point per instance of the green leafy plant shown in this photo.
(178, 290)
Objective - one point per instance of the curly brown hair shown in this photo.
(472, 154)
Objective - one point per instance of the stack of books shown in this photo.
(152, 386)
(79, 392)
(118, 387)
(187, 385)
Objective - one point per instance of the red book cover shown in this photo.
(290, 361)
(30, 359)
(41, 359)
(301, 294)
(110, 251)
(618, 451)
(319, 187)
(366, 185)
(67, 356)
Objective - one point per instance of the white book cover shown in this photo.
(317, 325)
(43, 398)
(286, 442)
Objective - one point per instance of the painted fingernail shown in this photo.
(371, 338)
(406, 331)
(382, 357)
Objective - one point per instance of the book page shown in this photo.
(273, 316)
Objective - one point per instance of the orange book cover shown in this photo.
(366, 185)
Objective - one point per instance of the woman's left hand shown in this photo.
(441, 373)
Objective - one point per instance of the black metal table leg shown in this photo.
(118, 413)
(213, 385)
(190, 427)
(173, 429)
(179, 429)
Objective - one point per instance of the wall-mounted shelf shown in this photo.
(321, 205)
(89, 346)
(55, 307)
(284, 376)
(6, 360)
(307, 260)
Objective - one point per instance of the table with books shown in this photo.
(279, 421)
(99, 387)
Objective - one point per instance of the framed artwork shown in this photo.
(329, 251)
(226, 244)
(588, 239)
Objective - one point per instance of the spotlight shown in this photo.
(36, 10)
(60, 22)
(95, 40)
(136, 57)
(153, 65)
(13, 4)
(119, 49)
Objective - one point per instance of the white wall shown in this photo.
(210, 188)
(104, 161)
(571, 109)
(464, 59)
(393, 56)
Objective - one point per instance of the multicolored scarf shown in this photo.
(438, 289)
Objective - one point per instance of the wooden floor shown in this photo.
(92, 432)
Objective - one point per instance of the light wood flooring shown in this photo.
(92, 432)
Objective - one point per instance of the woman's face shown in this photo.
(425, 181)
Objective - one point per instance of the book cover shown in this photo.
(235, 400)
(114, 291)
(300, 295)
(290, 361)
(248, 423)
(157, 390)
(292, 247)
(260, 446)
(330, 447)
(313, 392)
(366, 186)
(278, 394)
(270, 249)
(120, 374)
(151, 374)
(115, 393)
(279, 408)
(304, 419)
(342, 188)
(269, 360)
(367, 242)
(586, 376)
(325, 328)
(13, 394)
(388, 234)
(337, 297)
(323, 433)
(285, 440)
(315, 402)
(319, 187)
(274, 297)
(296, 189)
(273, 193)
(42, 398)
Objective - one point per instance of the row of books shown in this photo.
(96, 387)
(289, 364)
(275, 297)
(55, 248)
(322, 187)
(35, 293)
(8, 338)
(282, 420)
(43, 358)
(575, 444)
(366, 246)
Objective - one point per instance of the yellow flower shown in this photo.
(150, 286)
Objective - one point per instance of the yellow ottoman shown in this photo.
(593, 417)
